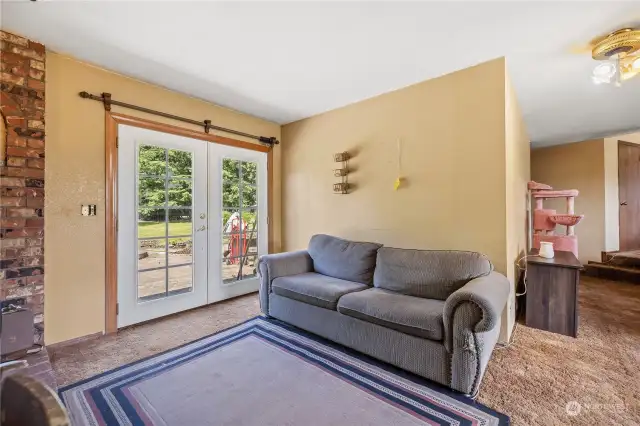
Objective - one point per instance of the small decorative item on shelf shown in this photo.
(546, 250)
(341, 188)
(342, 173)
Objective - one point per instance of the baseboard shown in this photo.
(73, 341)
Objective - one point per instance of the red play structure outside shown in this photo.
(237, 245)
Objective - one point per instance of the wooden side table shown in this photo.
(552, 292)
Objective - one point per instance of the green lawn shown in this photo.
(157, 229)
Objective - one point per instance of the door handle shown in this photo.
(202, 228)
(624, 203)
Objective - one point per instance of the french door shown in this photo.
(191, 222)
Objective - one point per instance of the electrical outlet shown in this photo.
(19, 301)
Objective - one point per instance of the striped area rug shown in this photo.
(264, 373)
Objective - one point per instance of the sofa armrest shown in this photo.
(272, 266)
(488, 294)
(472, 316)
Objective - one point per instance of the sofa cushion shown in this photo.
(416, 316)
(314, 289)
(434, 274)
(347, 260)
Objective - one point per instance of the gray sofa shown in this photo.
(432, 312)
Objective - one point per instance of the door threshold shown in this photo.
(151, 321)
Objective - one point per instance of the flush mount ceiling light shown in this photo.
(620, 56)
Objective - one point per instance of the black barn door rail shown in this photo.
(106, 100)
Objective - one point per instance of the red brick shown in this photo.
(37, 74)
(37, 65)
(35, 84)
(34, 222)
(36, 124)
(17, 141)
(36, 163)
(12, 59)
(8, 100)
(12, 38)
(10, 181)
(16, 162)
(20, 50)
(22, 232)
(35, 143)
(10, 78)
(17, 70)
(13, 201)
(21, 212)
(25, 172)
(33, 242)
(37, 47)
(13, 243)
(13, 222)
(16, 121)
(39, 104)
(22, 152)
(35, 202)
(34, 192)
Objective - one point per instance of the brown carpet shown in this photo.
(532, 380)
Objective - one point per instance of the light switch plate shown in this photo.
(88, 210)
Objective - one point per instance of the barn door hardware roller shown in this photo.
(107, 101)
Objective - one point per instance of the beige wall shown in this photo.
(612, 199)
(75, 175)
(580, 166)
(518, 172)
(452, 131)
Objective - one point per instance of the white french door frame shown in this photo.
(112, 122)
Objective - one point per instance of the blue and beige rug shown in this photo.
(265, 373)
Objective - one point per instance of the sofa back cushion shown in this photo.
(347, 260)
(433, 274)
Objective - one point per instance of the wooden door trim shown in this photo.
(620, 237)
(112, 120)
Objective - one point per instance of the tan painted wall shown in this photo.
(75, 175)
(580, 166)
(518, 172)
(453, 158)
(612, 199)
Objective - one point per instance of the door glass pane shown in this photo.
(230, 170)
(239, 219)
(249, 172)
(249, 196)
(165, 222)
(152, 161)
(180, 251)
(180, 222)
(151, 192)
(152, 284)
(249, 267)
(152, 253)
(179, 163)
(179, 192)
(180, 279)
(152, 223)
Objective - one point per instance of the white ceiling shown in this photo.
(290, 60)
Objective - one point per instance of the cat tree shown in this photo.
(545, 220)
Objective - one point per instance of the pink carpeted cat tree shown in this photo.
(546, 220)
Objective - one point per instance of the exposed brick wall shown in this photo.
(22, 103)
